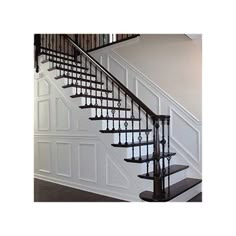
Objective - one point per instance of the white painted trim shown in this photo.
(107, 179)
(95, 161)
(195, 158)
(70, 157)
(91, 189)
(68, 116)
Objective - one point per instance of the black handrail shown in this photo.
(116, 81)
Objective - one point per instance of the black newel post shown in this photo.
(37, 50)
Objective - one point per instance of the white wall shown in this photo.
(173, 62)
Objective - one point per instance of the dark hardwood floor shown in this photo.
(49, 192)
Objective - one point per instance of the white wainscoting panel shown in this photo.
(43, 88)
(44, 156)
(87, 162)
(62, 115)
(43, 114)
(63, 159)
(118, 70)
(114, 175)
(185, 135)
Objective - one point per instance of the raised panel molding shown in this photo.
(87, 162)
(120, 72)
(114, 175)
(43, 87)
(195, 155)
(62, 115)
(63, 159)
(43, 115)
(44, 156)
(147, 96)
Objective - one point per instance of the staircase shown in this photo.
(145, 134)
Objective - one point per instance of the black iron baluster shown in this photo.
(101, 93)
(147, 133)
(132, 116)
(63, 55)
(168, 150)
(163, 153)
(86, 92)
(60, 50)
(126, 123)
(119, 104)
(56, 48)
(113, 121)
(81, 58)
(90, 71)
(67, 66)
(49, 45)
(52, 49)
(96, 92)
(46, 43)
(107, 102)
(140, 136)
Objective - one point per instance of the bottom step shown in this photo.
(197, 198)
(171, 192)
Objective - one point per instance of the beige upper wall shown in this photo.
(174, 63)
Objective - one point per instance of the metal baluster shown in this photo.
(113, 121)
(126, 123)
(86, 77)
(140, 136)
(81, 58)
(101, 93)
(147, 133)
(90, 71)
(60, 50)
(132, 116)
(119, 104)
(96, 92)
(67, 66)
(56, 48)
(64, 51)
(107, 102)
(52, 49)
(168, 150)
(49, 44)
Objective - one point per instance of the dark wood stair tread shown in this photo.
(125, 131)
(85, 87)
(197, 198)
(144, 159)
(105, 107)
(115, 118)
(171, 192)
(132, 144)
(173, 169)
(94, 96)
(79, 79)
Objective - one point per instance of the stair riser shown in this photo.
(184, 197)
(174, 178)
